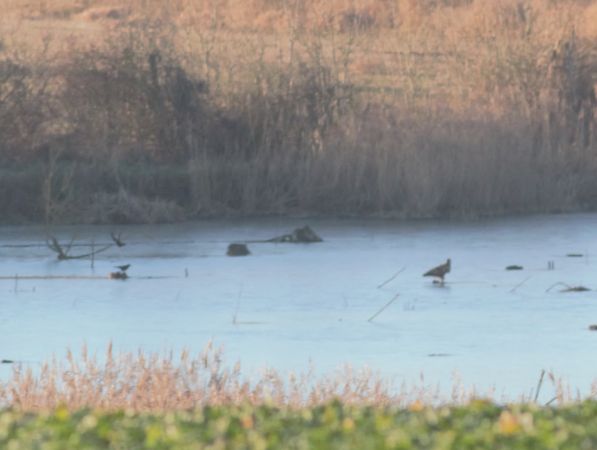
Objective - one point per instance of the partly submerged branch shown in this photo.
(62, 252)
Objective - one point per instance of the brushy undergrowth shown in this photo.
(478, 425)
(135, 400)
(163, 111)
(163, 383)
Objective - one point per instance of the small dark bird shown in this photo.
(123, 268)
(439, 271)
(117, 239)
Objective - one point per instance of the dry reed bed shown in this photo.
(418, 109)
(157, 383)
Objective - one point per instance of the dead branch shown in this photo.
(383, 308)
(520, 284)
(117, 239)
(391, 278)
(55, 246)
(63, 252)
(568, 288)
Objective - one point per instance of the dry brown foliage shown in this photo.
(409, 108)
(152, 382)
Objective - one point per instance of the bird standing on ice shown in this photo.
(439, 271)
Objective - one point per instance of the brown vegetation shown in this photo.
(151, 111)
(142, 382)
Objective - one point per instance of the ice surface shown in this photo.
(287, 305)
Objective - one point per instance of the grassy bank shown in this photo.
(137, 400)
(147, 112)
(479, 425)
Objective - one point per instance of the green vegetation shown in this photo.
(479, 425)
(136, 400)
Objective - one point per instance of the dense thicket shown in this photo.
(440, 109)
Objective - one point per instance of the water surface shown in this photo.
(287, 306)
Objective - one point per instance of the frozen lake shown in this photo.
(289, 305)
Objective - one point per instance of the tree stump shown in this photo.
(238, 250)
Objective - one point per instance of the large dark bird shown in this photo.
(123, 268)
(439, 271)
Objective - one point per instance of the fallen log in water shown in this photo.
(62, 252)
(304, 235)
(568, 288)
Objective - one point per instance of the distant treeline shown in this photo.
(152, 124)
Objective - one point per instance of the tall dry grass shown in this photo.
(182, 109)
(158, 383)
